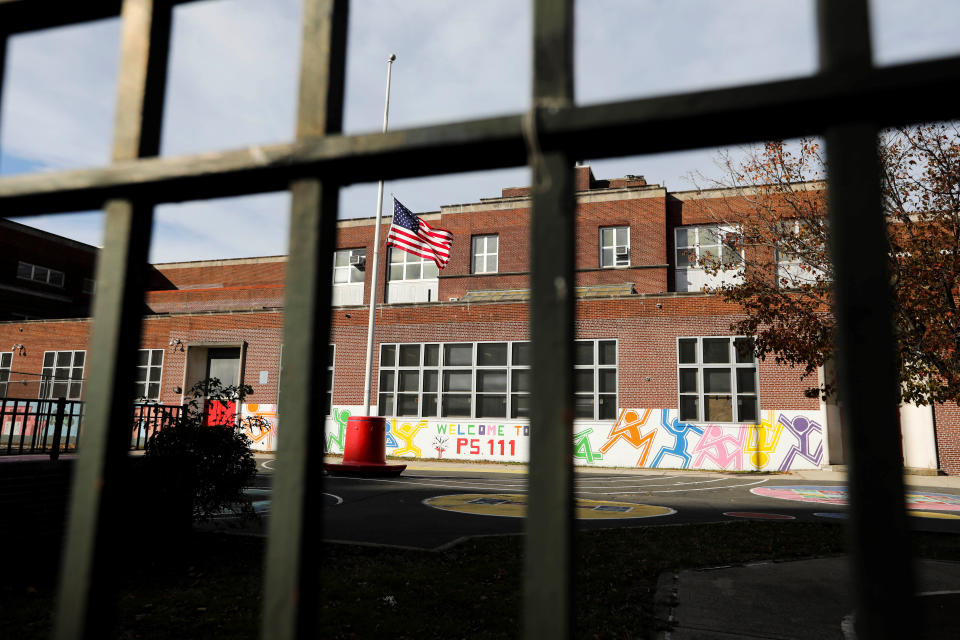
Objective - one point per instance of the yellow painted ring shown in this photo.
(943, 515)
(514, 505)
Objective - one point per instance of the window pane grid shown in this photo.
(486, 380)
(406, 266)
(615, 246)
(712, 242)
(148, 375)
(344, 269)
(484, 254)
(62, 375)
(717, 380)
(27, 271)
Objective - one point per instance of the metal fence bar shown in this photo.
(548, 550)
(58, 430)
(292, 573)
(868, 381)
(21, 16)
(95, 513)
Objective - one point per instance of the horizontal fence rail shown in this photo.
(55, 425)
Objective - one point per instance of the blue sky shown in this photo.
(233, 71)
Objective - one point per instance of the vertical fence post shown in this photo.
(57, 428)
(292, 576)
(95, 512)
(548, 550)
(881, 564)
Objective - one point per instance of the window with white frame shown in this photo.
(717, 380)
(148, 375)
(718, 245)
(484, 254)
(615, 247)
(6, 363)
(348, 265)
(797, 242)
(408, 267)
(36, 273)
(62, 374)
(486, 380)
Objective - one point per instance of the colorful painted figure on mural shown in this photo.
(681, 431)
(582, 449)
(406, 433)
(340, 417)
(804, 429)
(627, 428)
(714, 445)
(763, 441)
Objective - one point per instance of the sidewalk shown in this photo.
(789, 601)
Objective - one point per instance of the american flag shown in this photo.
(411, 234)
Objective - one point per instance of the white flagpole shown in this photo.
(372, 312)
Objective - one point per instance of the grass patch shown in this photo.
(211, 588)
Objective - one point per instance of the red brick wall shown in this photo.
(646, 334)
(947, 417)
(76, 260)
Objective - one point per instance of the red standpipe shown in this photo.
(365, 449)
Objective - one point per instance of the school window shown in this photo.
(798, 245)
(595, 379)
(62, 374)
(27, 271)
(484, 254)
(348, 265)
(717, 380)
(149, 372)
(486, 380)
(406, 266)
(717, 246)
(6, 363)
(615, 247)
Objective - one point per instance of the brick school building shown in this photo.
(660, 380)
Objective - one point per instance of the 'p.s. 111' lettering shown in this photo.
(472, 446)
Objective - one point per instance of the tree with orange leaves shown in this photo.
(776, 199)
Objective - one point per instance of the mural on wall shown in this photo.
(336, 437)
(646, 438)
(680, 432)
(627, 428)
(21, 420)
(259, 422)
(406, 432)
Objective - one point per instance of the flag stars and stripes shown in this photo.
(411, 234)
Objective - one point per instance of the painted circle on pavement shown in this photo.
(934, 514)
(511, 505)
(916, 500)
(756, 515)
(839, 515)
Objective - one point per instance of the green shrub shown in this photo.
(209, 466)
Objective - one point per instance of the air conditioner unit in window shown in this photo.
(358, 261)
(623, 252)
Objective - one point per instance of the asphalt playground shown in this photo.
(433, 505)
